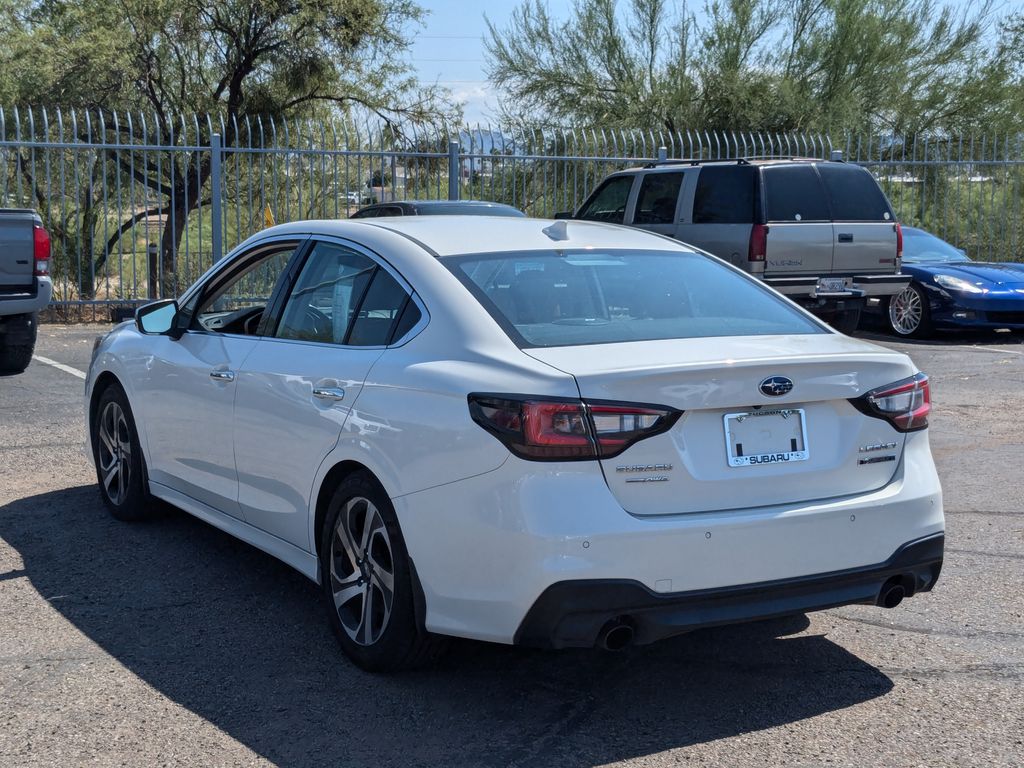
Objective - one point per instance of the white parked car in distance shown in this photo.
(546, 433)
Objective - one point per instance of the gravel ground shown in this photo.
(169, 643)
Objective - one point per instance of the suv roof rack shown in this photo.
(746, 160)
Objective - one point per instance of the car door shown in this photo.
(799, 221)
(187, 388)
(300, 384)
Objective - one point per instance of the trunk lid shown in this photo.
(713, 380)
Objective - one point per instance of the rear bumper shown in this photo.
(488, 547)
(573, 613)
(29, 301)
(861, 286)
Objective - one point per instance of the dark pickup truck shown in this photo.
(25, 286)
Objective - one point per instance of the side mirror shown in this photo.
(563, 215)
(157, 319)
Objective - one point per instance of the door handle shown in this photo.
(845, 237)
(329, 393)
(221, 375)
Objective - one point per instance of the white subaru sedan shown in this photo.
(546, 433)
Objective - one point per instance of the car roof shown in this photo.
(458, 203)
(435, 205)
(663, 166)
(458, 235)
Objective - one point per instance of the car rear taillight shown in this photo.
(40, 251)
(899, 242)
(554, 429)
(905, 404)
(758, 243)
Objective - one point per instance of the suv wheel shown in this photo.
(846, 320)
(367, 581)
(908, 313)
(120, 470)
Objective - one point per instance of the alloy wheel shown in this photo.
(115, 453)
(906, 310)
(362, 571)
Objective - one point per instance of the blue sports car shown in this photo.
(949, 291)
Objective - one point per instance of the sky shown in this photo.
(449, 50)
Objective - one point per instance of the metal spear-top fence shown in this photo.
(139, 205)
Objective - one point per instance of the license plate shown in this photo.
(831, 285)
(755, 438)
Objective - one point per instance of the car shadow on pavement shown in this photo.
(238, 638)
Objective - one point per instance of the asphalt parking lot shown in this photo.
(170, 643)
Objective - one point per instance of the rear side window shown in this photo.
(608, 203)
(656, 203)
(325, 297)
(344, 297)
(853, 194)
(379, 311)
(794, 193)
(573, 297)
(407, 320)
(725, 195)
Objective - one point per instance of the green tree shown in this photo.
(752, 64)
(236, 58)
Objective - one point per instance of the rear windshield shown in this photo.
(794, 193)
(573, 297)
(853, 194)
(468, 210)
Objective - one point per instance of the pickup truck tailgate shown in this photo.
(16, 249)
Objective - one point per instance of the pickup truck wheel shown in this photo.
(120, 470)
(14, 358)
(846, 320)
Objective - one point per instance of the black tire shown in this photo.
(376, 637)
(846, 320)
(15, 358)
(115, 441)
(900, 316)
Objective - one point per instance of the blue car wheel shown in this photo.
(908, 313)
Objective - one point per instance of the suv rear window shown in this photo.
(573, 297)
(656, 203)
(724, 195)
(794, 193)
(853, 194)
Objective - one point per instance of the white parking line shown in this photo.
(993, 350)
(60, 366)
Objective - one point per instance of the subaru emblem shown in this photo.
(776, 386)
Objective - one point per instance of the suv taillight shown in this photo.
(555, 429)
(899, 242)
(905, 404)
(40, 251)
(758, 243)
